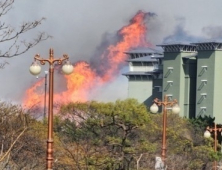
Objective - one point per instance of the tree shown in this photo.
(12, 125)
(186, 147)
(123, 135)
(107, 135)
(14, 44)
(82, 135)
(124, 124)
(22, 138)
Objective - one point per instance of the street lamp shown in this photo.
(207, 134)
(46, 74)
(154, 109)
(35, 69)
(44, 113)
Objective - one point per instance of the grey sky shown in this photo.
(77, 27)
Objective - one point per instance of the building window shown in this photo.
(159, 88)
(140, 77)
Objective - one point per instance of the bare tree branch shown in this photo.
(13, 38)
(2, 65)
(5, 6)
(14, 142)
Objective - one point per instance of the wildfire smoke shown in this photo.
(88, 76)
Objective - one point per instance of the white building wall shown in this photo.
(142, 68)
(141, 90)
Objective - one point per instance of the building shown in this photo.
(145, 74)
(190, 73)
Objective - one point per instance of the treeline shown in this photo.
(122, 135)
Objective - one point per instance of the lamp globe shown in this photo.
(176, 109)
(154, 108)
(35, 68)
(67, 68)
(207, 134)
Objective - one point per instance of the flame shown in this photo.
(79, 83)
(33, 98)
(85, 78)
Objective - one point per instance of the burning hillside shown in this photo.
(87, 76)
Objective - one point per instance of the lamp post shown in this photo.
(207, 134)
(44, 112)
(46, 74)
(35, 69)
(154, 109)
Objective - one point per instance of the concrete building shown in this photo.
(145, 74)
(190, 73)
(179, 76)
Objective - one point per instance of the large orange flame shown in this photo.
(32, 97)
(79, 83)
(85, 78)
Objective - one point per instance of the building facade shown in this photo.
(190, 73)
(145, 75)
